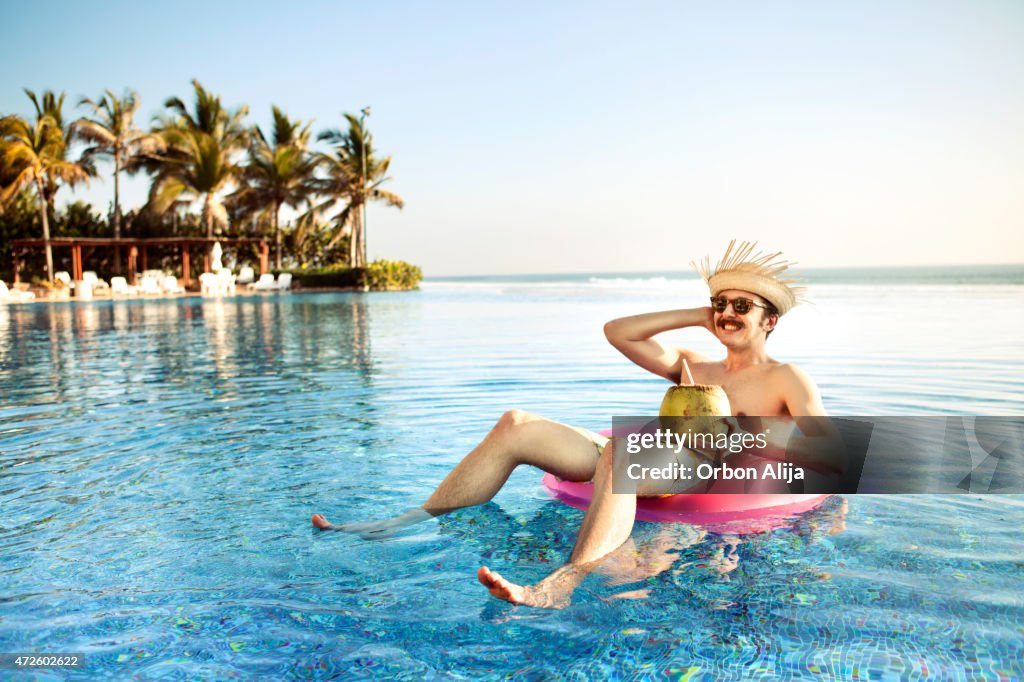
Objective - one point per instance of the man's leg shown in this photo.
(606, 525)
(518, 438)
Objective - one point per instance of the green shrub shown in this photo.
(380, 275)
(329, 277)
(385, 275)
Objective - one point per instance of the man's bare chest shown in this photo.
(751, 392)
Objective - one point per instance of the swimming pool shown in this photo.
(159, 461)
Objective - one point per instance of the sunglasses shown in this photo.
(740, 305)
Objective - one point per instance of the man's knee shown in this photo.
(515, 418)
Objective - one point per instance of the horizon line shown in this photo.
(694, 275)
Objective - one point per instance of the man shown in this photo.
(748, 297)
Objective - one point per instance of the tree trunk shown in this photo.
(117, 209)
(362, 233)
(208, 216)
(208, 221)
(43, 206)
(351, 240)
(355, 251)
(277, 234)
(363, 230)
(362, 244)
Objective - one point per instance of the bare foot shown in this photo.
(554, 592)
(499, 587)
(320, 522)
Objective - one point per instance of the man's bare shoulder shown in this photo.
(693, 356)
(693, 359)
(797, 388)
(787, 371)
(787, 375)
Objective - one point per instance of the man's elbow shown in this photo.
(611, 331)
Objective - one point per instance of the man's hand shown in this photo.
(709, 321)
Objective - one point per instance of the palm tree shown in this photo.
(353, 176)
(112, 133)
(199, 160)
(51, 106)
(309, 241)
(279, 172)
(33, 154)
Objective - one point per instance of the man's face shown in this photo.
(737, 331)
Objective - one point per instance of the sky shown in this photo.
(538, 137)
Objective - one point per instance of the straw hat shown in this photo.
(757, 272)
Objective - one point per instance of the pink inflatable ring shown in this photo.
(721, 512)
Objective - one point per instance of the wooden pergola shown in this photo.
(136, 248)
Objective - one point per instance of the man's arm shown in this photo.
(820, 447)
(799, 392)
(632, 336)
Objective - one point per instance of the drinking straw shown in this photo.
(687, 368)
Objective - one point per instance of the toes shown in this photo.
(486, 576)
(493, 581)
(498, 586)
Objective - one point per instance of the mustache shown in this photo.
(722, 322)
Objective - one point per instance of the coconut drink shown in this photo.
(695, 408)
(698, 400)
(695, 400)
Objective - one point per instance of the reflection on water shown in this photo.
(205, 341)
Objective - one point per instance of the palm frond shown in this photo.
(96, 133)
(25, 177)
(341, 222)
(164, 193)
(389, 198)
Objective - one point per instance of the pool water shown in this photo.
(160, 460)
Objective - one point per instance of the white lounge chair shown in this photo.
(209, 284)
(217, 284)
(246, 275)
(284, 281)
(119, 287)
(63, 277)
(227, 282)
(169, 283)
(150, 285)
(14, 295)
(264, 283)
(95, 282)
